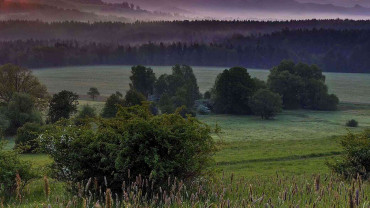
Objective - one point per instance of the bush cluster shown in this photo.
(134, 141)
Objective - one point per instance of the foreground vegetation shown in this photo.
(226, 191)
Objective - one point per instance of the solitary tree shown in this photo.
(93, 93)
(62, 105)
(15, 79)
(142, 80)
(266, 103)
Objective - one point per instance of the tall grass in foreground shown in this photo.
(226, 191)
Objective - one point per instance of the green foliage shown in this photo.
(4, 123)
(133, 98)
(15, 79)
(93, 93)
(301, 86)
(26, 139)
(111, 105)
(85, 115)
(266, 103)
(143, 80)
(180, 88)
(352, 123)
(166, 105)
(20, 110)
(86, 112)
(233, 89)
(62, 105)
(135, 142)
(207, 95)
(356, 158)
(10, 166)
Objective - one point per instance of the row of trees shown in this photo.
(289, 86)
(161, 31)
(331, 50)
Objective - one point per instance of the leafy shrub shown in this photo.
(356, 158)
(133, 98)
(352, 123)
(266, 103)
(111, 105)
(4, 123)
(27, 135)
(86, 112)
(10, 166)
(21, 110)
(134, 142)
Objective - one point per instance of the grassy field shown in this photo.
(295, 145)
(291, 143)
(352, 88)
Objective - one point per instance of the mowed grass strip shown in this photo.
(258, 157)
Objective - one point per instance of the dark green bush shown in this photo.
(356, 158)
(301, 86)
(10, 166)
(21, 110)
(62, 105)
(134, 141)
(111, 105)
(266, 104)
(352, 123)
(26, 140)
(232, 91)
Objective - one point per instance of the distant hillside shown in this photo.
(76, 10)
(261, 9)
(34, 11)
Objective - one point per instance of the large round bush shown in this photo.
(134, 141)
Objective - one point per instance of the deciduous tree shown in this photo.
(16, 79)
(62, 105)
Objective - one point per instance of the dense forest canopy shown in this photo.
(332, 50)
(161, 31)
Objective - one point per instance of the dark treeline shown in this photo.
(162, 31)
(332, 50)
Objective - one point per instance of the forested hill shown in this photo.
(333, 50)
(167, 32)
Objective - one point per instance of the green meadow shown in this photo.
(295, 142)
(291, 148)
